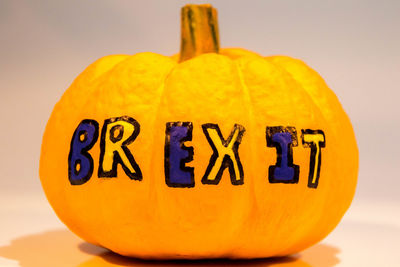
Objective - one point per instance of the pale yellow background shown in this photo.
(354, 45)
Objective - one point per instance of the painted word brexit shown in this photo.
(117, 133)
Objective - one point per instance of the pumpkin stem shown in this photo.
(199, 31)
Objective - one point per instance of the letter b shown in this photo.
(80, 163)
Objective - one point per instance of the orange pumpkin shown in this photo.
(210, 153)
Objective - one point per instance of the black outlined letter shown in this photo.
(283, 139)
(314, 139)
(177, 174)
(116, 134)
(225, 154)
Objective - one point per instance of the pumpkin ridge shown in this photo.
(80, 80)
(96, 65)
(305, 232)
(314, 237)
(66, 98)
(332, 99)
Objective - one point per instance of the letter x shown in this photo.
(225, 154)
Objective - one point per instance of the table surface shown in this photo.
(31, 235)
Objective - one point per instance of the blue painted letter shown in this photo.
(177, 174)
(283, 139)
(80, 163)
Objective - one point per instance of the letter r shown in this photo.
(116, 135)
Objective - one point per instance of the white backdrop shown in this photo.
(354, 45)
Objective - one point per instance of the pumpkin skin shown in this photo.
(148, 218)
(151, 220)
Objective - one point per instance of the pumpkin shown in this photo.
(206, 154)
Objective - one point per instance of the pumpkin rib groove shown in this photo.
(252, 127)
(153, 194)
